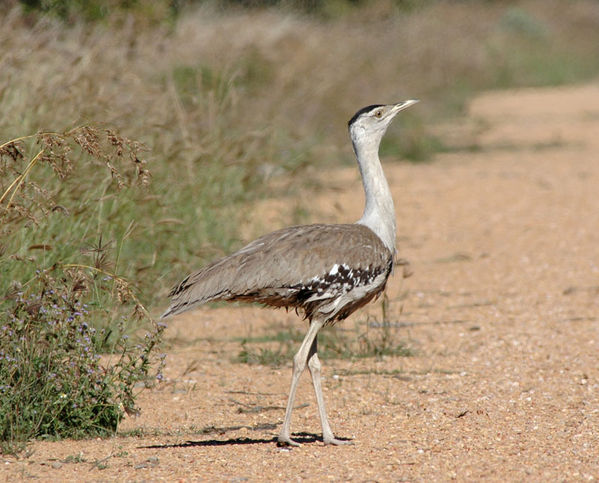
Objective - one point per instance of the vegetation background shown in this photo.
(146, 129)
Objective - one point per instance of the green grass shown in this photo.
(333, 343)
(377, 339)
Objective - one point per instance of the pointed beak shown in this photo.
(403, 105)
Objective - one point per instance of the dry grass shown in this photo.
(246, 77)
(224, 100)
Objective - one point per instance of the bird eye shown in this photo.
(378, 114)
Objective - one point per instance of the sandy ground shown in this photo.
(502, 312)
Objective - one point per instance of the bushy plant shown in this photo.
(61, 310)
(53, 381)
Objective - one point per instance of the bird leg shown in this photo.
(314, 366)
(300, 361)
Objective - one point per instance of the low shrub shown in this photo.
(60, 312)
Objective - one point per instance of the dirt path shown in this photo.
(502, 311)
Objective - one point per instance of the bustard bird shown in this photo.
(324, 271)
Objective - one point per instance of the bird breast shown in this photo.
(341, 291)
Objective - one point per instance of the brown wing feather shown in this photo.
(264, 270)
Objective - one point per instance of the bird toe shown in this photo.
(284, 441)
(337, 442)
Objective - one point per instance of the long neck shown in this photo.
(379, 212)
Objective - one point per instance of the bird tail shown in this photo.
(207, 284)
(187, 299)
(169, 311)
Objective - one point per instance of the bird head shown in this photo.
(370, 123)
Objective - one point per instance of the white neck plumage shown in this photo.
(379, 212)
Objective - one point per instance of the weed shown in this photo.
(376, 342)
(286, 340)
(333, 343)
(264, 356)
(75, 458)
(57, 315)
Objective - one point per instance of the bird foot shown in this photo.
(285, 440)
(336, 442)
